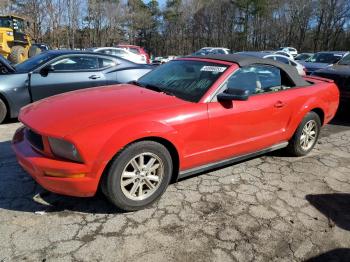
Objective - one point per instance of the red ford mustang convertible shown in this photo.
(187, 116)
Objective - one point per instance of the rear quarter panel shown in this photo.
(320, 95)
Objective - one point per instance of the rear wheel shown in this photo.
(138, 176)
(3, 111)
(18, 54)
(306, 136)
(33, 51)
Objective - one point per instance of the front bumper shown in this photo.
(38, 166)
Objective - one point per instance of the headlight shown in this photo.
(64, 149)
(10, 33)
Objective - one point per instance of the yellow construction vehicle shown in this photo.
(15, 43)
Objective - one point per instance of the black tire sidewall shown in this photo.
(113, 187)
(3, 111)
(295, 143)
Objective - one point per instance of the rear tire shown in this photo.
(33, 51)
(3, 111)
(138, 175)
(306, 135)
(18, 54)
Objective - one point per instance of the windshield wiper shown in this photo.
(158, 89)
(152, 87)
(134, 82)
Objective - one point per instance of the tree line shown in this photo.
(183, 26)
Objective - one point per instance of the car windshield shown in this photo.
(33, 62)
(302, 57)
(345, 60)
(326, 58)
(186, 79)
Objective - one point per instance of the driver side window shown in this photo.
(259, 79)
(76, 63)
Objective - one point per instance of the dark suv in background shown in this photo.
(340, 73)
(322, 60)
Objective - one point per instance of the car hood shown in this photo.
(67, 113)
(343, 70)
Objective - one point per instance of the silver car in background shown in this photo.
(54, 72)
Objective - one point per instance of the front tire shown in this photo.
(306, 135)
(138, 176)
(3, 111)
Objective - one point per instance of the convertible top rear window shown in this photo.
(185, 79)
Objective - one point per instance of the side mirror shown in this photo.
(234, 94)
(46, 70)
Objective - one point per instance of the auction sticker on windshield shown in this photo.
(213, 69)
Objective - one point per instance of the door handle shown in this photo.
(94, 77)
(279, 104)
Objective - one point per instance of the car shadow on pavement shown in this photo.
(19, 192)
(336, 207)
(335, 255)
(10, 121)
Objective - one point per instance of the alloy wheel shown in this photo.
(142, 176)
(308, 135)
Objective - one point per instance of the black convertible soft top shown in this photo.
(242, 60)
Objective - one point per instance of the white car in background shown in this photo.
(279, 58)
(163, 59)
(283, 53)
(121, 52)
(285, 60)
(290, 50)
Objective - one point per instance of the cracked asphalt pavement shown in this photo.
(270, 208)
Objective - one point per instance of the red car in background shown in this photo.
(137, 50)
(187, 116)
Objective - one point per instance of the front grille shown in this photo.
(35, 139)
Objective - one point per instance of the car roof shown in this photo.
(135, 46)
(254, 53)
(208, 47)
(109, 47)
(245, 60)
(78, 52)
(333, 52)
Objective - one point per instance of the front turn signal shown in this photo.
(62, 175)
